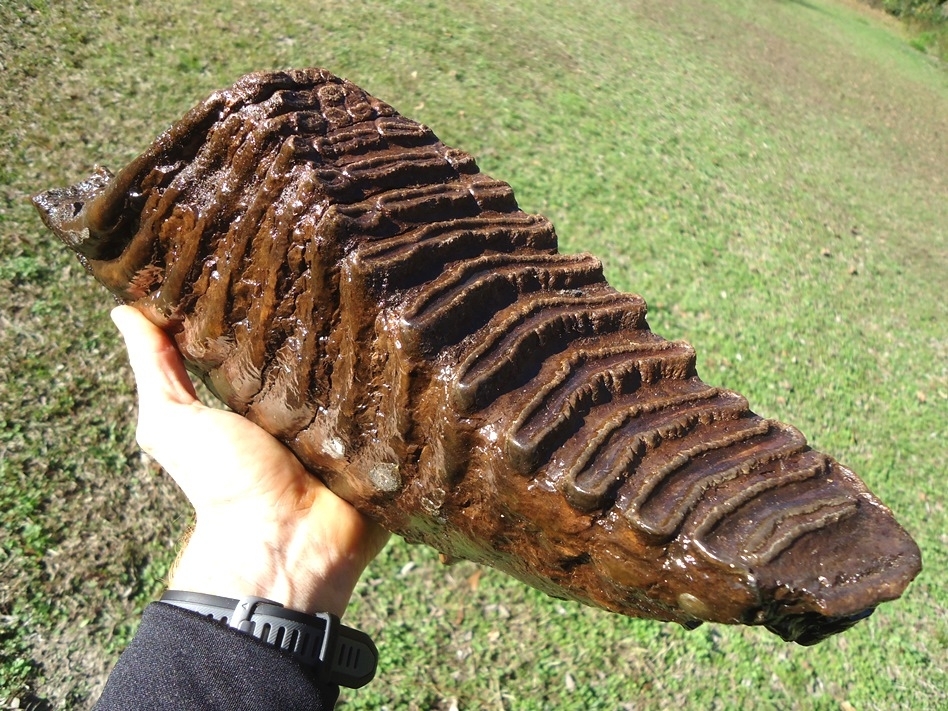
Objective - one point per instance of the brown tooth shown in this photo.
(344, 279)
(66, 211)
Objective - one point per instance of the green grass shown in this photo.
(926, 19)
(769, 175)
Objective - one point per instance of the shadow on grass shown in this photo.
(808, 6)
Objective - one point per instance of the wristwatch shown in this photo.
(335, 653)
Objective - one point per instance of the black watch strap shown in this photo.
(335, 653)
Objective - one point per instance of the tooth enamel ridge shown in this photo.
(338, 275)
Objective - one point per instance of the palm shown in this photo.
(250, 493)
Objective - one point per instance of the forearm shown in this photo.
(179, 659)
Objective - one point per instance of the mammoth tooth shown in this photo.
(336, 274)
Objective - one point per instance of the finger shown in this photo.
(159, 370)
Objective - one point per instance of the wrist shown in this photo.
(335, 653)
(294, 573)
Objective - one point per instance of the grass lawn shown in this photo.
(772, 176)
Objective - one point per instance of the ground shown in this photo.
(770, 176)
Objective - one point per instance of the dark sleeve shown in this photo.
(180, 660)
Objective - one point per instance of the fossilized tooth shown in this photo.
(336, 274)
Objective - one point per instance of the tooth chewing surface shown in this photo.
(338, 275)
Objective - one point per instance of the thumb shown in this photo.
(160, 374)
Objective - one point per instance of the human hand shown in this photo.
(264, 525)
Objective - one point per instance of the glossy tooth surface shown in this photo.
(338, 275)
